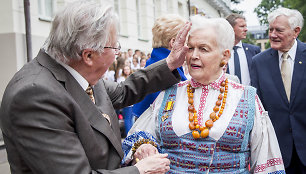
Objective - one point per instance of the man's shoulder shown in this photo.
(264, 54)
(251, 46)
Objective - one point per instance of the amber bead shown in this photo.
(190, 116)
(223, 83)
(217, 117)
(209, 123)
(204, 133)
(221, 90)
(191, 126)
(202, 128)
(192, 90)
(197, 126)
(220, 112)
(216, 108)
(190, 108)
(190, 101)
(220, 97)
(212, 115)
(195, 134)
(218, 103)
(190, 95)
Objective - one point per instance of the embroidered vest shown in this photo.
(230, 154)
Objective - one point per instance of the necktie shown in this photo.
(286, 74)
(237, 63)
(89, 92)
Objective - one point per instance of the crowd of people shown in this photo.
(234, 109)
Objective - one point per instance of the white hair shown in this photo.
(295, 18)
(80, 25)
(225, 35)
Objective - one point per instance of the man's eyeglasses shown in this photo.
(117, 48)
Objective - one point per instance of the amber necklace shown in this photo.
(193, 117)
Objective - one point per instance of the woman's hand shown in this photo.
(178, 52)
(144, 151)
(157, 163)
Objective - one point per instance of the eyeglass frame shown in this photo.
(117, 49)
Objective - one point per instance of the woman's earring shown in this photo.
(222, 63)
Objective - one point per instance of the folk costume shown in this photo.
(240, 137)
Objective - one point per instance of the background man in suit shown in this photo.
(279, 74)
(242, 53)
(57, 114)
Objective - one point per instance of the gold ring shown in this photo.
(137, 160)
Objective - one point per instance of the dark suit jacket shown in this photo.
(288, 118)
(51, 126)
(250, 52)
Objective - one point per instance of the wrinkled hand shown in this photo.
(157, 163)
(144, 151)
(177, 55)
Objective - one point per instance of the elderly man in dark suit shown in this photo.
(242, 53)
(58, 116)
(279, 74)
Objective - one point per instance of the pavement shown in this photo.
(4, 165)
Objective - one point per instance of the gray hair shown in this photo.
(225, 35)
(295, 18)
(80, 25)
(232, 18)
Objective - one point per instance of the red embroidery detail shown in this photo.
(270, 163)
(260, 108)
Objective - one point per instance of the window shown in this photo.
(138, 11)
(45, 9)
(116, 6)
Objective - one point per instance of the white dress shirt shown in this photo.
(291, 57)
(245, 74)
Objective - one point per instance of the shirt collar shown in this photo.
(78, 77)
(291, 52)
(215, 85)
(239, 44)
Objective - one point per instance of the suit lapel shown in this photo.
(90, 110)
(276, 74)
(299, 69)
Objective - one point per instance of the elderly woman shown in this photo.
(208, 124)
(58, 115)
(164, 32)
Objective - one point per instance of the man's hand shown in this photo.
(157, 163)
(178, 52)
(144, 151)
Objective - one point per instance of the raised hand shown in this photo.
(178, 52)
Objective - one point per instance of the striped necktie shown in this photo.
(89, 92)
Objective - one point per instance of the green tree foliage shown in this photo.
(267, 6)
(300, 5)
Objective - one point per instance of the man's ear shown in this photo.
(297, 31)
(87, 56)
